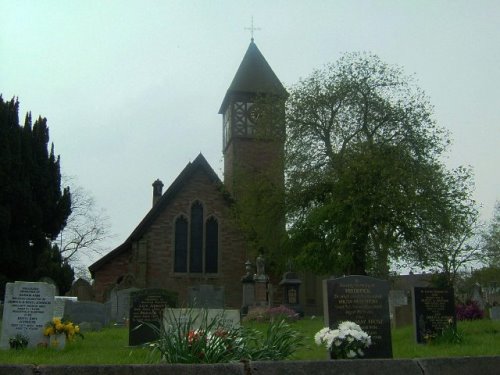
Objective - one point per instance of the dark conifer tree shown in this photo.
(33, 208)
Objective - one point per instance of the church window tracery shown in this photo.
(196, 242)
(212, 245)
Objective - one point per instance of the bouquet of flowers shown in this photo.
(347, 341)
(57, 326)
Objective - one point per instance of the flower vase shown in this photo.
(58, 341)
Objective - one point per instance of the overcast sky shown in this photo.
(131, 89)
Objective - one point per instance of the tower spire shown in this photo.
(252, 28)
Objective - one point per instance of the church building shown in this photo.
(189, 237)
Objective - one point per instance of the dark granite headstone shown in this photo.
(434, 310)
(362, 300)
(146, 309)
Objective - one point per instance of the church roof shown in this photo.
(254, 76)
(200, 163)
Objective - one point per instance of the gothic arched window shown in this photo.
(211, 245)
(196, 242)
(196, 238)
(181, 244)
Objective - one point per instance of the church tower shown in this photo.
(253, 124)
(253, 112)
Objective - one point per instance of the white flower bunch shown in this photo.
(347, 341)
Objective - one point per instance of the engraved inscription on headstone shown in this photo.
(363, 300)
(434, 311)
(146, 309)
(28, 307)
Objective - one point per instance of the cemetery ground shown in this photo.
(109, 346)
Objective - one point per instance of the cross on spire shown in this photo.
(252, 29)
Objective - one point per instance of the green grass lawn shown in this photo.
(109, 346)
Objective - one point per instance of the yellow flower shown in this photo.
(48, 331)
(77, 329)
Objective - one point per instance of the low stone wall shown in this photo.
(441, 366)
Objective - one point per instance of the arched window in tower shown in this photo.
(196, 238)
(211, 245)
(181, 244)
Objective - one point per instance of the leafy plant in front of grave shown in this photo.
(211, 341)
(18, 342)
(278, 342)
(449, 335)
(182, 341)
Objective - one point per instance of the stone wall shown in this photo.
(441, 366)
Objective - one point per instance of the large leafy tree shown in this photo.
(33, 208)
(363, 171)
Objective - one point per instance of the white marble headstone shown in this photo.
(28, 307)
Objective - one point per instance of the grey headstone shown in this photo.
(248, 294)
(495, 313)
(206, 296)
(120, 304)
(85, 311)
(59, 303)
(398, 298)
(28, 308)
(362, 300)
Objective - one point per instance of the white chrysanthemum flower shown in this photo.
(351, 354)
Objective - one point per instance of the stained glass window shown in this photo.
(196, 237)
(211, 245)
(181, 244)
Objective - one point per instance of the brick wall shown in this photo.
(157, 245)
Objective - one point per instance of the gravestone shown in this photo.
(362, 300)
(82, 289)
(59, 304)
(120, 304)
(206, 296)
(146, 309)
(228, 318)
(434, 310)
(403, 316)
(28, 307)
(495, 313)
(477, 296)
(85, 311)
